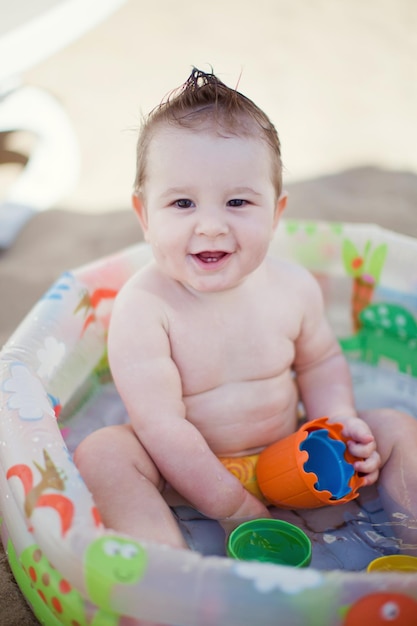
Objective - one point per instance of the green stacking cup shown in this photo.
(270, 540)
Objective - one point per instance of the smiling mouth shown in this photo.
(211, 256)
(122, 576)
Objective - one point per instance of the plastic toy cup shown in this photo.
(309, 469)
(326, 460)
(270, 540)
(395, 562)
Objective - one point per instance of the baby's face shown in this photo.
(209, 206)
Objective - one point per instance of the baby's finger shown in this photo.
(358, 430)
(371, 478)
(361, 450)
(368, 465)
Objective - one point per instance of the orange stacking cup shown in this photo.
(309, 469)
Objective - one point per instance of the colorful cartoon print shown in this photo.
(50, 594)
(56, 601)
(51, 478)
(27, 394)
(90, 303)
(383, 609)
(388, 334)
(366, 270)
(112, 560)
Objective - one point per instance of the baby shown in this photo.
(213, 343)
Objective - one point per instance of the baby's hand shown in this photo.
(251, 508)
(361, 443)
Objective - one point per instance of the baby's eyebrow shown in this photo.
(184, 192)
(243, 190)
(176, 191)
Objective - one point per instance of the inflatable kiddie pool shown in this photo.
(55, 387)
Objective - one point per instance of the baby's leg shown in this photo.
(396, 438)
(126, 486)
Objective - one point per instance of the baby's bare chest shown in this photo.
(216, 348)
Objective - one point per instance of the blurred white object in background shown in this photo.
(29, 33)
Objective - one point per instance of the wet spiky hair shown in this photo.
(203, 101)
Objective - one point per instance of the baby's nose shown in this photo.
(211, 223)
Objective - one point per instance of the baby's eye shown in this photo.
(183, 203)
(237, 202)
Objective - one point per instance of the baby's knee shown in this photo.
(390, 421)
(103, 445)
(393, 430)
(114, 449)
(403, 424)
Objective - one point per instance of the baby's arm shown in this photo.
(325, 383)
(149, 383)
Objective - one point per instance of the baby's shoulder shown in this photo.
(284, 271)
(138, 309)
(143, 289)
(295, 283)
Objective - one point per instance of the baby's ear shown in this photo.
(280, 207)
(140, 210)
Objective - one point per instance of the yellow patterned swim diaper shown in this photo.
(244, 468)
